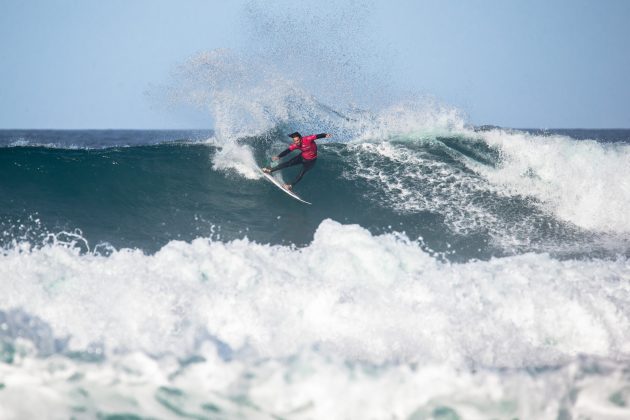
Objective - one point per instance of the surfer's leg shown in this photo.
(306, 166)
(294, 161)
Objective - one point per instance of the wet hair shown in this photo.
(296, 134)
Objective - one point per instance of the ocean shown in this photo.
(444, 271)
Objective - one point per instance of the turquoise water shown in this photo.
(144, 189)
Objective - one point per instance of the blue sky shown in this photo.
(90, 63)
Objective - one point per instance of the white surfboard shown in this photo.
(279, 185)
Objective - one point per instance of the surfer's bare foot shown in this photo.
(266, 170)
(288, 187)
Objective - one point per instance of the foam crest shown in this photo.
(348, 293)
(581, 182)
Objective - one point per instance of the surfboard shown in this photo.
(275, 182)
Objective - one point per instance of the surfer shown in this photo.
(307, 158)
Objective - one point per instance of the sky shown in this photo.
(82, 64)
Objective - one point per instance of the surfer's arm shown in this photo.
(284, 153)
(323, 135)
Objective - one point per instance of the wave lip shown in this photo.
(582, 182)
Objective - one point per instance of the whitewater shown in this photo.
(469, 259)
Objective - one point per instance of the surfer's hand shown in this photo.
(275, 158)
(328, 135)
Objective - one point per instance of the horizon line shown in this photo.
(491, 126)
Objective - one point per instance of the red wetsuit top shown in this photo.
(308, 146)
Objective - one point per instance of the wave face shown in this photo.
(464, 194)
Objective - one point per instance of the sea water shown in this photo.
(461, 274)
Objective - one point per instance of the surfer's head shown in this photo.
(297, 137)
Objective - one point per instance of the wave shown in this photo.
(467, 194)
(582, 182)
(509, 184)
(362, 297)
(242, 327)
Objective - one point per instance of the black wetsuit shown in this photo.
(307, 158)
(307, 164)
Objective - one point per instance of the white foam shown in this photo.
(582, 182)
(306, 386)
(411, 181)
(348, 293)
(351, 314)
(236, 157)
